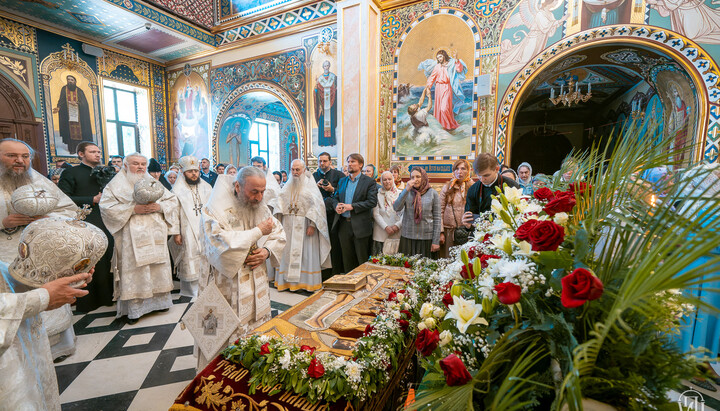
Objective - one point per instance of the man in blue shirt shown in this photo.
(353, 203)
(328, 179)
(205, 173)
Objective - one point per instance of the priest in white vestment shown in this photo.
(308, 243)
(141, 262)
(16, 171)
(192, 193)
(240, 235)
(272, 192)
(27, 375)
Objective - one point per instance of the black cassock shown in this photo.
(77, 184)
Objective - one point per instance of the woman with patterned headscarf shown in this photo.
(452, 204)
(397, 175)
(421, 223)
(386, 230)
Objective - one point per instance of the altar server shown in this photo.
(27, 375)
(308, 244)
(16, 171)
(141, 262)
(192, 193)
(240, 235)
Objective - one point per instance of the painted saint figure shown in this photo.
(604, 13)
(691, 18)
(446, 74)
(678, 119)
(326, 106)
(73, 115)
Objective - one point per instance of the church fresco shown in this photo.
(189, 105)
(322, 95)
(434, 99)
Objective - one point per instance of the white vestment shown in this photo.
(272, 195)
(190, 262)
(141, 262)
(305, 256)
(58, 322)
(27, 375)
(230, 233)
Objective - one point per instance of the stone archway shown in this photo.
(691, 57)
(17, 121)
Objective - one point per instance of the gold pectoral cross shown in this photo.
(293, 208)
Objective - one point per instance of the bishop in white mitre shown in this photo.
(240, 235)
(308, 243)
(27, 374)
(16, 171)
(192, 193)
(141, 262)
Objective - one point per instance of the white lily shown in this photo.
(503, 241)
(466, 313)
(513, 195)
(496, 206)
(525, 248)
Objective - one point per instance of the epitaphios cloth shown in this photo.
(302, 206)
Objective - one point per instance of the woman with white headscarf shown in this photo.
(525, 178)
(386, 231)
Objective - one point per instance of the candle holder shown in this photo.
(569, 98)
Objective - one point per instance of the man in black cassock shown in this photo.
(73, 115)
(327, 179)
(84, 188)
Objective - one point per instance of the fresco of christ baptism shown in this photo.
(435, 89)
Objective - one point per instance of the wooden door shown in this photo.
(17, 121)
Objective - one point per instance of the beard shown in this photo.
(295, 185)
(135, 177)
(11, 179)
(192, 182)
(71, 86)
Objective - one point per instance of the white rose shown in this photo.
(426, 310)
(421, 326)
(561, 218)
(430, 323)
(439, 312)
(445, 338)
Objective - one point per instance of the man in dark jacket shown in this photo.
(82, 188)
(353, 203)
(327, 179)
(479, 196)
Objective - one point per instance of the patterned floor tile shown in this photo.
(161, 372)
(118, 345)
(114, 402)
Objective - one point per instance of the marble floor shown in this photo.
(141, 367)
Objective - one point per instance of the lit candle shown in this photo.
(576, 86)
(589, 87)
(562, 85)
(552, 92)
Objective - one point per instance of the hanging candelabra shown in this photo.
(637, 113)
(569, 97)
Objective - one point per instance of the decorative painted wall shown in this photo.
(516, 40)
(322, 92)
(39, 63)
(189, 108)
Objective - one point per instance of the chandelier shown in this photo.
(569, 97)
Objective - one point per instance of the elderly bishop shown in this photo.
(16, 171)
(192, 193)
(141, 262)
(308, 243)
(240, 235)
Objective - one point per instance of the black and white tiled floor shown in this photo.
(143, 366)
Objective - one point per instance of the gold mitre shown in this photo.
(188, 163)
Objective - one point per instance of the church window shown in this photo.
(265, 142)
(127, 119)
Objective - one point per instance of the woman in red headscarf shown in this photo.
(421, 224)
(452, 204)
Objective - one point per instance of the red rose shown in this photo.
(407, 264)
(484, 259)
(237, 341)
(455, 371)
(508, 293)
(368, 329)
(523, 232)
(404, 324)
(265, 349)
(546, 236)
(465, 274)
(486, 238)
(559, 194)
(448, 300)
(581, 285)
(427, 341)
(447, 286)
(392, 296)
(580, 187)
(307, 348)
(544, 194)
(403, 291)
(472, 251)
(315, 370)
(375, 260)
(563, 204)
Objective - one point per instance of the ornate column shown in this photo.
(358, 54)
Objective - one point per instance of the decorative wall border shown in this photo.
(697, 62)
(21, 36)
(121, 67)
(159, 112)
(21, 69)
(476, 72)
(280, 21)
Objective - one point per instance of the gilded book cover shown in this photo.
(347, 282)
